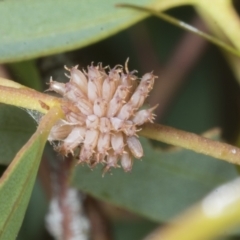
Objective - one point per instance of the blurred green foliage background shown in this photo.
(199, 93)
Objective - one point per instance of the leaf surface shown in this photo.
(161, 185)
(50, 28)
(17, 181)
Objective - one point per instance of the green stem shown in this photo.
(219, 30)
(224, 16)
(184, 26)
(166, 4)
(10, 83)
(28, 98)
(192, 141)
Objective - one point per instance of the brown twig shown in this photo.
(173, 75)
(3, 72)
(44, 174)
(100, 226)
(64, 168)
(144, 48)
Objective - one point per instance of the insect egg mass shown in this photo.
(102, 115)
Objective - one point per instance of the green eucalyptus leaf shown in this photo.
(39, 28)
(17, 181)
(160, 186)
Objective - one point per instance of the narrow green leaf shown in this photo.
(17, 181)
(224, 16)
(161, 185)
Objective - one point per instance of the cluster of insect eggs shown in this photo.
(102, 116)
